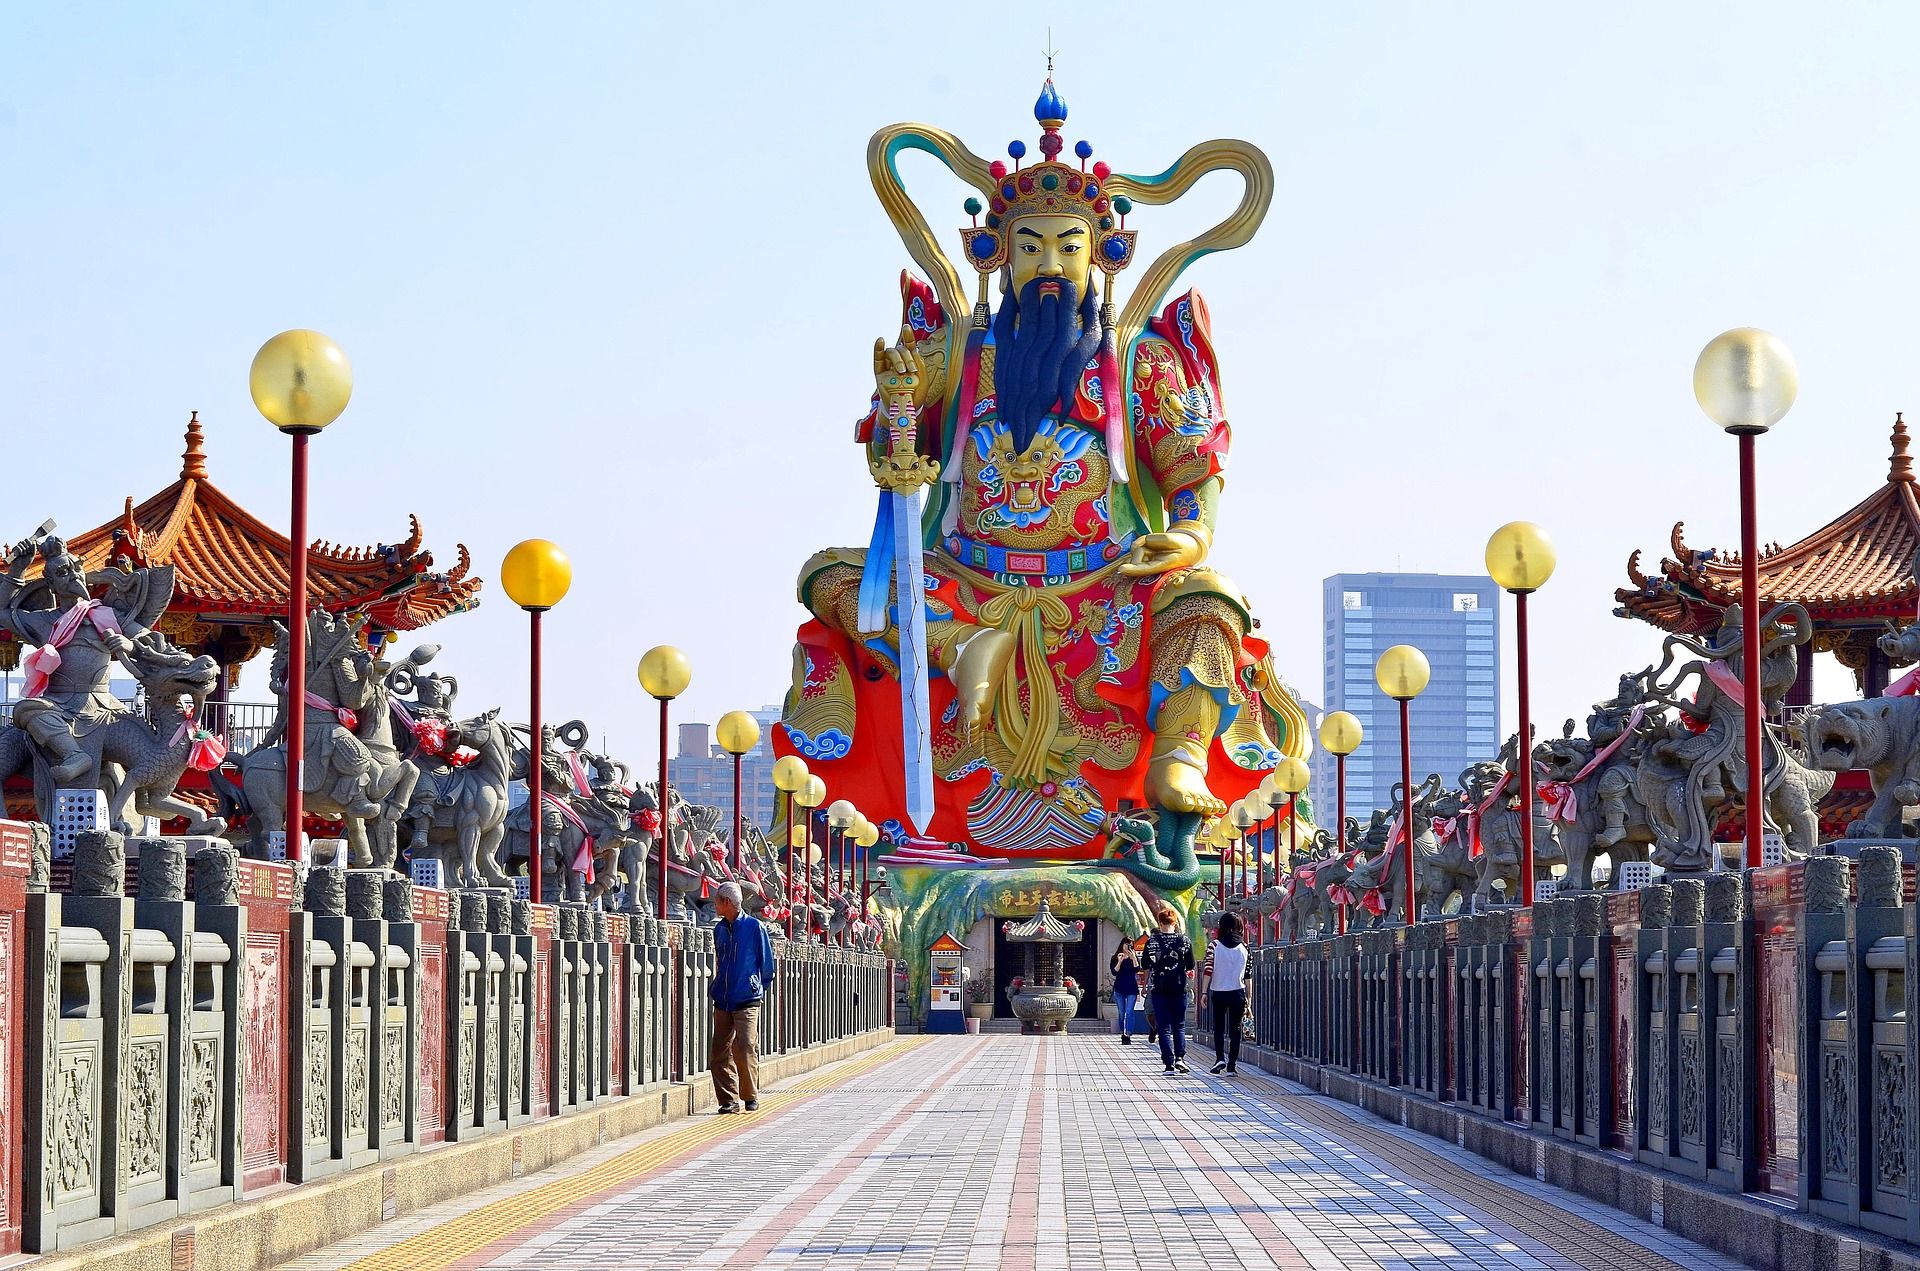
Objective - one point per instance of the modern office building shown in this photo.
(1455, 621)
(703, 773)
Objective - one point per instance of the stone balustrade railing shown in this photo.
(239, 1024)
(1750, 1033)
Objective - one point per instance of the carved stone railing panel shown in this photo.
(1836, 996)
(67, 1196)
(313, 1068)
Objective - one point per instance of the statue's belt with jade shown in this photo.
(1058, 563)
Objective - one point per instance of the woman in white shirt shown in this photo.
(1227, 983)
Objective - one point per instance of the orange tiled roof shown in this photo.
(227, 562)
(1859, 567)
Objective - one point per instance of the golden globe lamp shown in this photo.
(301, 381)
(866, 834)
(1520, 557)
(789, 773)
(1341, 733)
(812, 794)
(1292, 775)
(665, 672)
(737, 732)
(1746, 380)
(1242, 817)
(842, 815)
(536, 575)
(1402, 672)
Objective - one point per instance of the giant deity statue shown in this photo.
(1065, 651)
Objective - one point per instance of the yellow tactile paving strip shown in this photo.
(459, 1237)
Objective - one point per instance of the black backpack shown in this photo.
(1168, 951)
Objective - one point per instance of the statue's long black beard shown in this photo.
(1041, 349)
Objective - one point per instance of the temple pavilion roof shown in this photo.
(1043, 926)
(230, 566)
(1856, 569)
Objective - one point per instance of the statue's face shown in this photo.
(65, 575)
(1051, 247)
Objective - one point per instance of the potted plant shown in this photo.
(979, 999)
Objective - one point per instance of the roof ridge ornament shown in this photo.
(193, 460)
(1900, 465)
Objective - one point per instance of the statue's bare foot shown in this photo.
(977, 673)
(1177, 786)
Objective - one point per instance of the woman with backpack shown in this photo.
(1226, 984)
(1168, 959)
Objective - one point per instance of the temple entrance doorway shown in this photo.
(1079, 960)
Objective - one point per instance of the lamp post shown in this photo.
(1291, 778)
(535, 575)
(1520, 559)
(1402, 673)
(865, 835)
(1745, 381)
(789, 778)
(809, 796)
(1340, 736)
(664, 674)
(738, 733)
(841, 817)
(1246, 821)
(300, 381)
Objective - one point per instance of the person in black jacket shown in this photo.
(1168, 959)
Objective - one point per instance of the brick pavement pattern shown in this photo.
(994, 1152)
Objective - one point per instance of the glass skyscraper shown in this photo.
(1455, 621)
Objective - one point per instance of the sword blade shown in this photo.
(910, 602)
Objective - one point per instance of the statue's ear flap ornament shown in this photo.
(1116, 250)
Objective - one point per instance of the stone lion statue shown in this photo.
(1882, 735)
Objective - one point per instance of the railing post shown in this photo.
(1653, 1058)
(216, 1030)
(1728, 953)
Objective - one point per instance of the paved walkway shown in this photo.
(989, 1152)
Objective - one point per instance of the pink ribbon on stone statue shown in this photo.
(348, 720)
(1905, 686)
(207, 751)
(582, 859)
(45, 660)
(1562, 798)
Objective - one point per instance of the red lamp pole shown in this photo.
(788, 898)
(1525, 752)
(1750, 656)
(297, 652)
(739, 825)
(1406, 802)
(666, 810)
(536, 765)
(1340, 820)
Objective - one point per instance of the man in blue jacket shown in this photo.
(742, 970)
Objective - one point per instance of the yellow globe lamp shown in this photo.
(1745, 380)
(665, 672)
(1229, 832)
(789, 774)
(737, 732)
(1242, 817)
(1402, 672)
(1520, 557)
(842, 815)
(812, 794)
(866, 834)
(796, 835)
(1341, 734)
(1292, 775)
(301, 381)
(536, 574)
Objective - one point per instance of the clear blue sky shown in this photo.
(610, 275)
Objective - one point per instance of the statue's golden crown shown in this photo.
(1049, 188)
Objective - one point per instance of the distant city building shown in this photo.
(703, 773)
(1455, 621)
